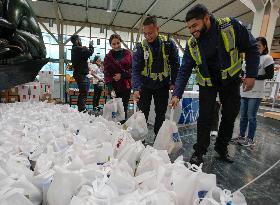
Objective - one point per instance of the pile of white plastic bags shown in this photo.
(54, 155)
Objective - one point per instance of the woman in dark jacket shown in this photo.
(117, 70)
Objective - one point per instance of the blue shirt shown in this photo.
(138, 63)
(213, 51)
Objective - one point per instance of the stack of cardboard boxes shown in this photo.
(33, 91)
(9, 95)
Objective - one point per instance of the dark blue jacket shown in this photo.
(213, 51)
(139, 81)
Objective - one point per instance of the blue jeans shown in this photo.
(248, 115)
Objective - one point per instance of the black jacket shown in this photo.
(79, 57)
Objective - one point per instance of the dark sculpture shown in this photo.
(22, 49)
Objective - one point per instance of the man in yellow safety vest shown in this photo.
(213, 51)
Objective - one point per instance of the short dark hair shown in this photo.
(117, 36)
(150, 20)
(264, 43)
(95, 58)
(199, 11)
(74, 38)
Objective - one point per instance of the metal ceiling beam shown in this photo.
(86, 10)
(81, 23)
(247, 12)
(58, 9)
(145, 13)
(140, 29)
(57, 17)
(178, 12)
(116, 12)
(223, 6)
(103, 9)
(78, 31)
(214, 11)
(49, 32)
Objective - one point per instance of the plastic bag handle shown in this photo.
(171, 114)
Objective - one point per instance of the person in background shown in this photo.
(250, 101)
(213, 50)
(79, 57)
(96, 71)
(154, 71)
(117, 70)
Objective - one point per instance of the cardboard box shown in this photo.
(46, 97)
(4, 100)
(13, 91)
(4, 92)
(13, 98)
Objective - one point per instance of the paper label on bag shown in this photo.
(175, 137)
(114, 115)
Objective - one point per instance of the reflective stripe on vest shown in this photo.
(228, 36)
(149, 62)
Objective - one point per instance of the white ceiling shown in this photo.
(126, 13)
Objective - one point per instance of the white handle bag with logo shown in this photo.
(168, 137)
(113, 110)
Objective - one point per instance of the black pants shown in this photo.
(230, 99)
(97, 93)
(216, 117)
(83, 85)
(160, 96)
(124, 95)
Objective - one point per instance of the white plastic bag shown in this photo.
(190, 184)
(151, 159)
(66, 182)
(131, 153)
(43, 164)
(160, 197)
(168, 137)
(217, 196)
(121, 181)
(137, 125)
(113, 110)
(15, 197)
(30, 191)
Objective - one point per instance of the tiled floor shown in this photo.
(249, 162)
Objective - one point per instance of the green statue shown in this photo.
(22, 49)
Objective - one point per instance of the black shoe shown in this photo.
(224, 156)
(196, 159)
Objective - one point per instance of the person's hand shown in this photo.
(136, 96)
(174, 101)
(171, 87)
(117, 77)
(248, 84)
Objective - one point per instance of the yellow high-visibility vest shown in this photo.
(148, 57)
(228, 36)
